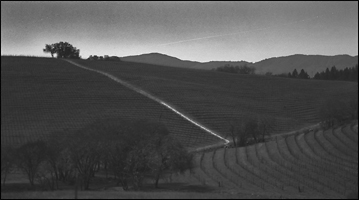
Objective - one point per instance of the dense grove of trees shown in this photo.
(250, 130)
(235, 69)
(347, 74)
(63, 50)
(338, 111)
(301, 75)
(130, 150)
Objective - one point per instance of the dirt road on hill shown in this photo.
(150, 96)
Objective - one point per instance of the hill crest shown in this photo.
(276, 65)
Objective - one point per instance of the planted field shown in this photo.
(40, 96)
(215, 98)
(292, 167)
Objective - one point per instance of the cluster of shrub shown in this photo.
(130, 150)
(236, 69)
(347, 74)
(106, 58)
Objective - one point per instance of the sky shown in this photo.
(196, 31)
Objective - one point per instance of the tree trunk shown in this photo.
(157, 178)
(6, 172)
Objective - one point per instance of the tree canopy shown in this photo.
(131, 149)
(62, 49)
(347, 74)
(236, 69)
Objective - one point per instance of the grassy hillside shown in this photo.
(43, 95)
(215, 98)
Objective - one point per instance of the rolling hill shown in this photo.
(214, 99)
(276, 65)
(40, 96)
(43, 95)
(160, 59)
(310, 63)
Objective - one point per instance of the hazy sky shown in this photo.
(249, 31)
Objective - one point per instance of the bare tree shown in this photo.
(251, 129)
(168, 154)
(7, 162)
(29, 158)
(266, 125)
(85, 152)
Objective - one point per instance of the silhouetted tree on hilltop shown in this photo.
(63, 50)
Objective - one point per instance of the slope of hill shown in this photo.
(216, 98)
(40, 96)
(318, 164)
(43, 95)
(165, 60)
(160, 59)
(310, 63)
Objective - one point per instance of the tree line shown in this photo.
(104, 58)
(301, 75)
(235, 69)
(129, 150)
(347, 74)
(251, 129)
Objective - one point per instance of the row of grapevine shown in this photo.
(42, 96)
(295, 166)
(214, 98)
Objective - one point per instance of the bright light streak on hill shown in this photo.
(132, 87)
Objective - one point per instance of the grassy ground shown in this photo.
(17, 187)
(40, 96)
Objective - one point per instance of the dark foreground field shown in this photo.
(318, 164)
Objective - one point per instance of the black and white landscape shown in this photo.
(179, 100)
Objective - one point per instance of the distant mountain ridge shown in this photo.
(160, 59)
(310, 63)
(277, 65)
